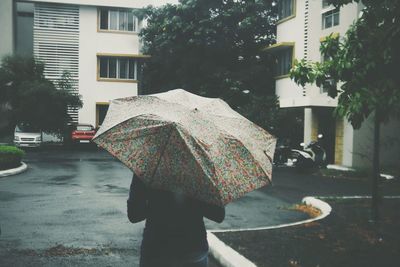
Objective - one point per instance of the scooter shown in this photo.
(282, 153)
(312, 155)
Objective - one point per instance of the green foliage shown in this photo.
(263, 111)
(10, 157)
(363, 65)
(33, 99)
(212, 48)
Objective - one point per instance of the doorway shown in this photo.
(327, 127)
(101, 111)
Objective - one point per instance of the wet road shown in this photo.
(78, 199)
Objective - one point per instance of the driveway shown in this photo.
(77, 199)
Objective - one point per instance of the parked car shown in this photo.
(26, 135)
(83, 133)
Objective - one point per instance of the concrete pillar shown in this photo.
(314, 126)
(308, 125)
(6, 27)
(348, 143)
(339, 141)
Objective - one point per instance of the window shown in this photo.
(84, 128)
(330, 18)
(121, 68)
(284, 61)
(118, 20)
(285, 8)
(101, 111)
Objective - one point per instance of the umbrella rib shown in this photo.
(198, 164)
(162, 152)
(270, 160)
(125, 121)
(268, 157)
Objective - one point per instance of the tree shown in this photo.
(362, 71)
(28, 97)
(212, 48)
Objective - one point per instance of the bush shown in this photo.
(10, 157)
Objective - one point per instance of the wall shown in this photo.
(286, 89)
(6, 44)
(389, 148)
(307, 46)
(6, 27)
(24, 34)
(93, 42)
(390, 144)
(291, 31)
(348, 14)
(108, 3)
(56, 43)
(344, 131)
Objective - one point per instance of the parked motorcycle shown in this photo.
(282, 153)
(312, 155)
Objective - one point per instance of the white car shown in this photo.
(27, 136)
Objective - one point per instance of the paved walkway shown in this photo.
(78, 199)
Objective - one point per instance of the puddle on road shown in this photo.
(109, 188)
(67, 251)
(62, 178)
(9, 196)
(111, 213)
(74, 211)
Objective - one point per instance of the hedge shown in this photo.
(10, 157)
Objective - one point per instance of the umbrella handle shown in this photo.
(270, 160)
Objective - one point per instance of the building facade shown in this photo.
(302, 25)
(95, 41)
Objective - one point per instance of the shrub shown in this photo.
(10, 157)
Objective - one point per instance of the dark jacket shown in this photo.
(174, 223)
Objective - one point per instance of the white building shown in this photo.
(302, 25)
(95, 40)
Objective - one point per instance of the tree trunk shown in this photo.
(375, 172)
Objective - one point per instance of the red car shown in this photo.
(83, 133)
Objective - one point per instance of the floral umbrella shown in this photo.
(185, 143)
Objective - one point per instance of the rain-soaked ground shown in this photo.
(73, 203)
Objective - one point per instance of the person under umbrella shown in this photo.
(174, 235)
(191, 156)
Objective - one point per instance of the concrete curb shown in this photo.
(14, 171)
(314, 202)
(228, 257)
(348, 169)
(340, 168)
(225, 255)
(355, 197)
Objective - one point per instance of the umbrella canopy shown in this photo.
(185, 143)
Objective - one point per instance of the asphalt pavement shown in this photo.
(72, 202)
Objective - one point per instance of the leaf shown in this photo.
(196, 45)
(358, 63)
